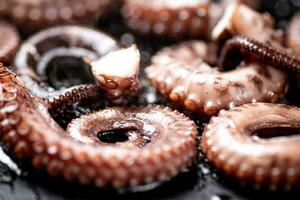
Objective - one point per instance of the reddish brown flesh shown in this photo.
(71, 39)
(28, 129)
(33, 15)
(166, 18)
(181, 74)
(9, 42)
(272, 163)
(264, 53)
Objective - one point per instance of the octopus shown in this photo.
(156, 143)
(293, 39)
(182, 74)
(256, 144)
(240, 19)
(173, 18)
(9, 42)
(53, 60)
(168, 18)
(33, 15)
(262, 52)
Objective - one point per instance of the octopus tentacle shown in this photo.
(33, 15)
(62, 42)
(279, 58)
(176, 19)
(147, 128)
(71, 96)
(9, 42)
(228, 142)
(239, 19)
(27, 128)
(180, 73)
(293, 39)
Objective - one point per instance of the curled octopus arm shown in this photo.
(279, 58)
(78, 155)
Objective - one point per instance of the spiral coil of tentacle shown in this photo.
(28, 129)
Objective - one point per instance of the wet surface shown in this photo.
(18, 181)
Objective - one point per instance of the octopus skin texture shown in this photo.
(239, 19)
(175, 19)
(293, 38)
(29, 130)
(264, 53)
(181, 74)
(242, 143)
(76, 94)
(62, 42)
(33, 15)
(9, 42)
(171, 18)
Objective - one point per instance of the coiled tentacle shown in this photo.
(242, 143)
(165, 141)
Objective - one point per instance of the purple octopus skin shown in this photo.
(39, 50)
(181, 74)
(280, 58)
(28, 129)
(293, 38)
(252, 143)
(33, 15)
(9, 42)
